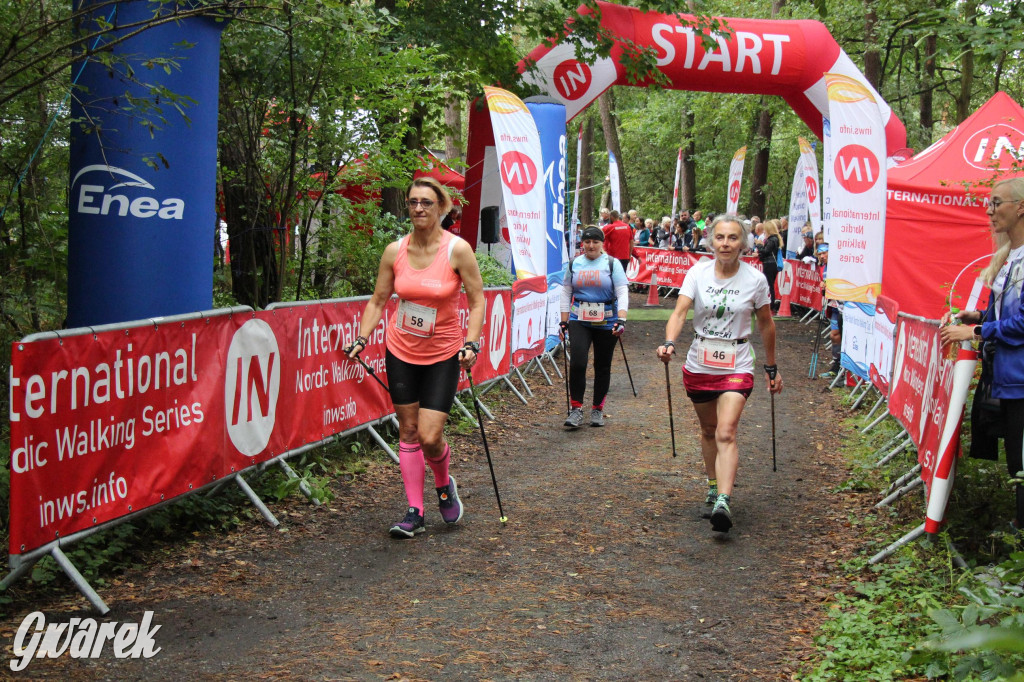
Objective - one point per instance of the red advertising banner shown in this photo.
(529, 318)
(669, 265)
(883, 340)
(921, 386)
(105, 424)
(806, 290)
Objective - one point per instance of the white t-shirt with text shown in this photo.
(722, 310)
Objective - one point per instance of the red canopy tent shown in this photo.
(935, 209)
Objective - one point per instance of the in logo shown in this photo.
(786, 283)
(812, 189)
(856, 168)
(252, 386)
(734, 191)
(994, 147)
(518, 172)
(497, 334)
(634, 268)
(572, 79)
(103, 200)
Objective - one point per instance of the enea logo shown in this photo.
(734, 191)
(856, 168)
(572, 79)
(106, 200)
(995, 147)
(497, 333)
(252, 386)
(518, 172)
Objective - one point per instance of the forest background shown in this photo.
(320, 94)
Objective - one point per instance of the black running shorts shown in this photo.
(432, 386)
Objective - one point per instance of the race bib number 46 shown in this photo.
(717, 353)
(416, 319)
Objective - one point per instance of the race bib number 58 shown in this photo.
(416, 319)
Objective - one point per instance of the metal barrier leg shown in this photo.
(256, 501)
(840, 375)
(863, 395)
(878, 420)
(889, 499)
(81, 583)
(892, 441)
(512, 387)
(382, 443)
(903, 479)
(465, 412)
(900, 448)
(526, 386)
(303, 486)
(551, 358)
(540, 366)
(810, 313)
(888, 551)
(487, 412)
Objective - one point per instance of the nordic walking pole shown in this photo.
(368, 369)
(487, 451)
(771, 376)
(671, 421)
(813, 373)
(565, 364)
(628, 373)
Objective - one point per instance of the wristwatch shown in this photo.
(473, 346)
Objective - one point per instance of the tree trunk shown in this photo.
(926, 111)
(392, 199)
(611, 137)
(688, 173)
(586, 173)
(762, 155)
(453, 133)
(963, 100)
(872, 55)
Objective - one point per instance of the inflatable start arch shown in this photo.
(760, 57)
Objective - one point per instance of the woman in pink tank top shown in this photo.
(425, 344)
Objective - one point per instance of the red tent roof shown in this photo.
(935, 209)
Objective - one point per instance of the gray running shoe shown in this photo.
(449, 502)
(575, 418)
(709, 503)
(409, 526)
(721, 515)
(597, 417)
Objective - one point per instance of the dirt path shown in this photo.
(604, 570)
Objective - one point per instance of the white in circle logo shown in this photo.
(251, 387)
(634, 268)
(786, 285)
(497, 336)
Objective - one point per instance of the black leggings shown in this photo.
(771, 271)
(580, 338)
(432, 386)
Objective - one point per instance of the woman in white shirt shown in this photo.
(719, 371)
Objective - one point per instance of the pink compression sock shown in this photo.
(440, 467)
(410, 461)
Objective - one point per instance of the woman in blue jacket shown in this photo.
(594, 304)
(1001, 325)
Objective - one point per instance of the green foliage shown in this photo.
(493, 273)
(869, 631)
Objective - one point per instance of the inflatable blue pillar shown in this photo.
(549, 115)
(142, 212)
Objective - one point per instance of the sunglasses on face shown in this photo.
(425, 203)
